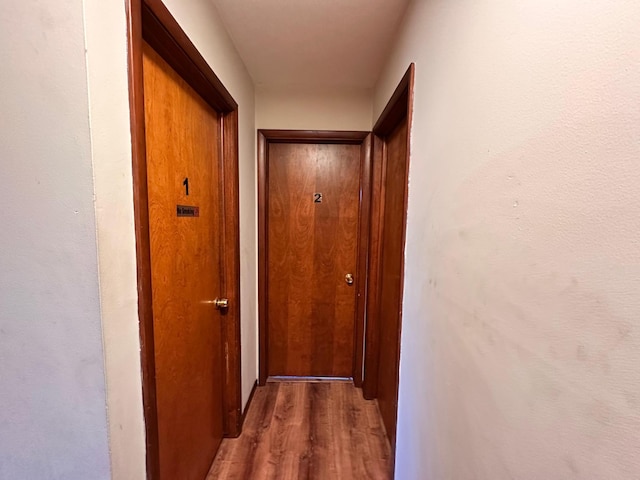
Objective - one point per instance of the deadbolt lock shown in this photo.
(349, 279)
(221, 303)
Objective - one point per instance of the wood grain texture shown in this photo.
(166, 36)
(391, 282)
(311, 247)
(264, 140)
(263, 261)
(182, 138)
(230, 180)
(363, 255)
(399, 106)
(391, 154)
(315, 136)
(141, 213)
(370, 382)
(305, 431)
(151, 21)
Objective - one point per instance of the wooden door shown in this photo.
(390, 179)
(312, 245)
(184, 198)
(391, 268)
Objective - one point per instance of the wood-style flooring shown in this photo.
(307, 430)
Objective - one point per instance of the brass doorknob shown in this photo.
(349, 279)
(221, 303)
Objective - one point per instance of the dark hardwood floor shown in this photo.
(307, 430)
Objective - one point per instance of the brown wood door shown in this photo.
(391, 268)
(312, 243)
(183, 163)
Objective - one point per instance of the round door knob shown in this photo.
(221, 303)
(349, 279)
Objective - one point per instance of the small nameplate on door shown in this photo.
(317, 198)
(186, 211)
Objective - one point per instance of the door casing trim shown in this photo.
(150, 21)
(399, 107)
(265, 137)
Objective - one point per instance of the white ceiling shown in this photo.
(312, 43)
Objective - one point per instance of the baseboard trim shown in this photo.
(246, 407)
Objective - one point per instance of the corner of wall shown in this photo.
(106, 47)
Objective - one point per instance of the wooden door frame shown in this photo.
(150, 21)
(399, 107)
(266, 137)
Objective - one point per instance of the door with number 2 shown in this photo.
(312, 218)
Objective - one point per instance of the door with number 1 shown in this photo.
(185, 221)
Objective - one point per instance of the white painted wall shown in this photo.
(521, 334)
(106, 43)
(313, 109)
(53, 420)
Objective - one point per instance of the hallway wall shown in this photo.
(298, 108)
(106, 44)
(521, 334)
(53, 419)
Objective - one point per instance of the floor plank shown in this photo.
(307, 431)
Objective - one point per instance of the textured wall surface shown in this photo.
(53, 421)
(521, 341)
(106, 43)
